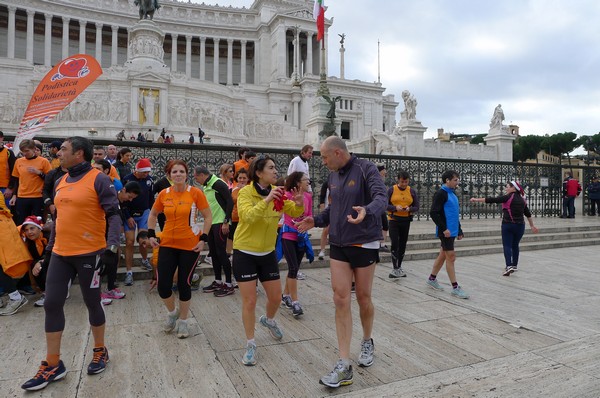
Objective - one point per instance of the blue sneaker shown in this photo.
(99, 361)
(249, 358)
(434, 284)
(274, 329)
(458, 292)
(45, 375)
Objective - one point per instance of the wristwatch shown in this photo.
(113, 248)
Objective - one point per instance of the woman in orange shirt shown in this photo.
(180, 244)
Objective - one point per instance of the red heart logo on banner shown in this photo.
(72, 67)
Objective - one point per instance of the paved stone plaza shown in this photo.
(535, 333)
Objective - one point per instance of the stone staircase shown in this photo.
(424, 246)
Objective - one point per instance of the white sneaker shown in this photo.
(40, 302)
(300, 276)
(106, 301)
(208, 260)
(322, 255)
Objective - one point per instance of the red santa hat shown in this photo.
(143, 165)
(518, 187)
(33, 220)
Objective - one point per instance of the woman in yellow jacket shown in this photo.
(260, 205)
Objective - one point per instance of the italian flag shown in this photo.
(319, 14)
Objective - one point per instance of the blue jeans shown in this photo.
(569, 206)
(511, 236)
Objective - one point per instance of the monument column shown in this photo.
(99, 42)
(229, 62)
(10, 44)
(173, 52)
(82, 25)
(65, 37)
(48, 40)
(309, 51)
(114, 46)
(243, 63)
(216, 61)
(30, 21)
(202, 58)
(188, 56)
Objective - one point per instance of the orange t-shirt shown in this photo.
(4, 170)
(80, 220)
(30, 185)
(241, 164)
(113, 174)
(180, 210)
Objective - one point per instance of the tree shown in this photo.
(561, 144)
(528, 146)
(478, 139)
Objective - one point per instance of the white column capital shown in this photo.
(12, 9)
(188, 37)
(230, 41)
(66, 20)
(30, 13)
(216, 40)
(174, 36)
(82, 23)
(99, 25)
(48, 16)
(115, 28)
(202, 39)
(243, 42)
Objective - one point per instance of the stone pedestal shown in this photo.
(319, 122)
(501, 138)
(411, 132)
(145, 47)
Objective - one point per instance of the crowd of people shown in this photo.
(73, 211)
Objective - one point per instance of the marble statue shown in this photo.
(497, 118)
(410, 105)
(387, 144)
(148, 104)
(147, 8)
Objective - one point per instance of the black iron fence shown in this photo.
(542, 183)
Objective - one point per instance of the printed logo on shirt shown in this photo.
(351, 183)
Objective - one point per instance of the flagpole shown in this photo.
(378, 64)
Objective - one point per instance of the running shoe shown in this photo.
(208, 260)
(146, 265)
(40, 302)
(297, 310)
(300, 276)
(286, 302)
(458, 292)
(45, 375)
(182, 329)
(129, 279)
(274, 329)
(105, 301)
(249, 358)
(397, 273)
(339, 376)
(99, 361)
(434, 284)
(509, 270)
(12, 306)
(213, 287)
(115, 294)
(196, 279)
(321, 255)
(171, 322)
(384, 248)
(367, 349)
(224, 290)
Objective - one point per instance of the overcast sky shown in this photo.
(461, 58)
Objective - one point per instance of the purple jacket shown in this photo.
(358, 183)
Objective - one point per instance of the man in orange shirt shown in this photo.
(27, 182)
(86, 203)
(7, 163)
(241, 163)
